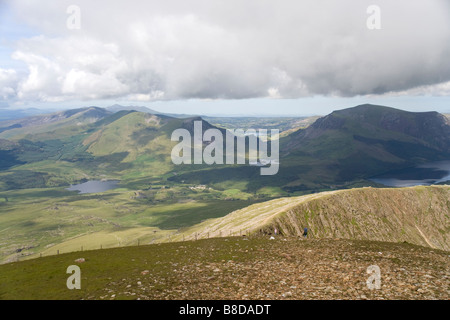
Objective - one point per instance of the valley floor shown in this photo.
(237, 268)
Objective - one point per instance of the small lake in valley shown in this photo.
(94, 186)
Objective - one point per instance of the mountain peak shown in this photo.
(118, 107)
(367, 109)
(370, 128)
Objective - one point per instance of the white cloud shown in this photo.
(8, 83)
(147, 50)
(441, 89)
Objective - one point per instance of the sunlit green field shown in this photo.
(43, 221)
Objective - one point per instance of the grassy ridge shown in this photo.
(418, 215)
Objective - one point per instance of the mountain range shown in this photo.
(345, 147)
(42, 155)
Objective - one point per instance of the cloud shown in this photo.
(437, 90)
(150, 50)
(8, 82)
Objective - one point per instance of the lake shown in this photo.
(422, 175)
(94, 186)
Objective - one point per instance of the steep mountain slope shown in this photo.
(377, 124)
(365, 140)
(89, 143)
(124, 134)
(418, 215)
(346, 147)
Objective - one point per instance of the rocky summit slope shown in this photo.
(238, 268)
(418, 215)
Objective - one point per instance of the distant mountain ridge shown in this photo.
(80, 116)
(347, 146)
(34, 117)
(343, 148)
(117, 107)
(93, 141)
(11, 114)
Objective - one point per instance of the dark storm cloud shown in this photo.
(146, 50)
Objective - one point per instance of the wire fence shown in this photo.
(177, 237)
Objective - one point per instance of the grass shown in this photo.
(34, 221)
(135, 148)
(45, 278)
(48, 219)
(233, 268)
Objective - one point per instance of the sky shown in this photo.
(253, 57)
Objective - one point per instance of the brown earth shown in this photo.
(290, 268)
